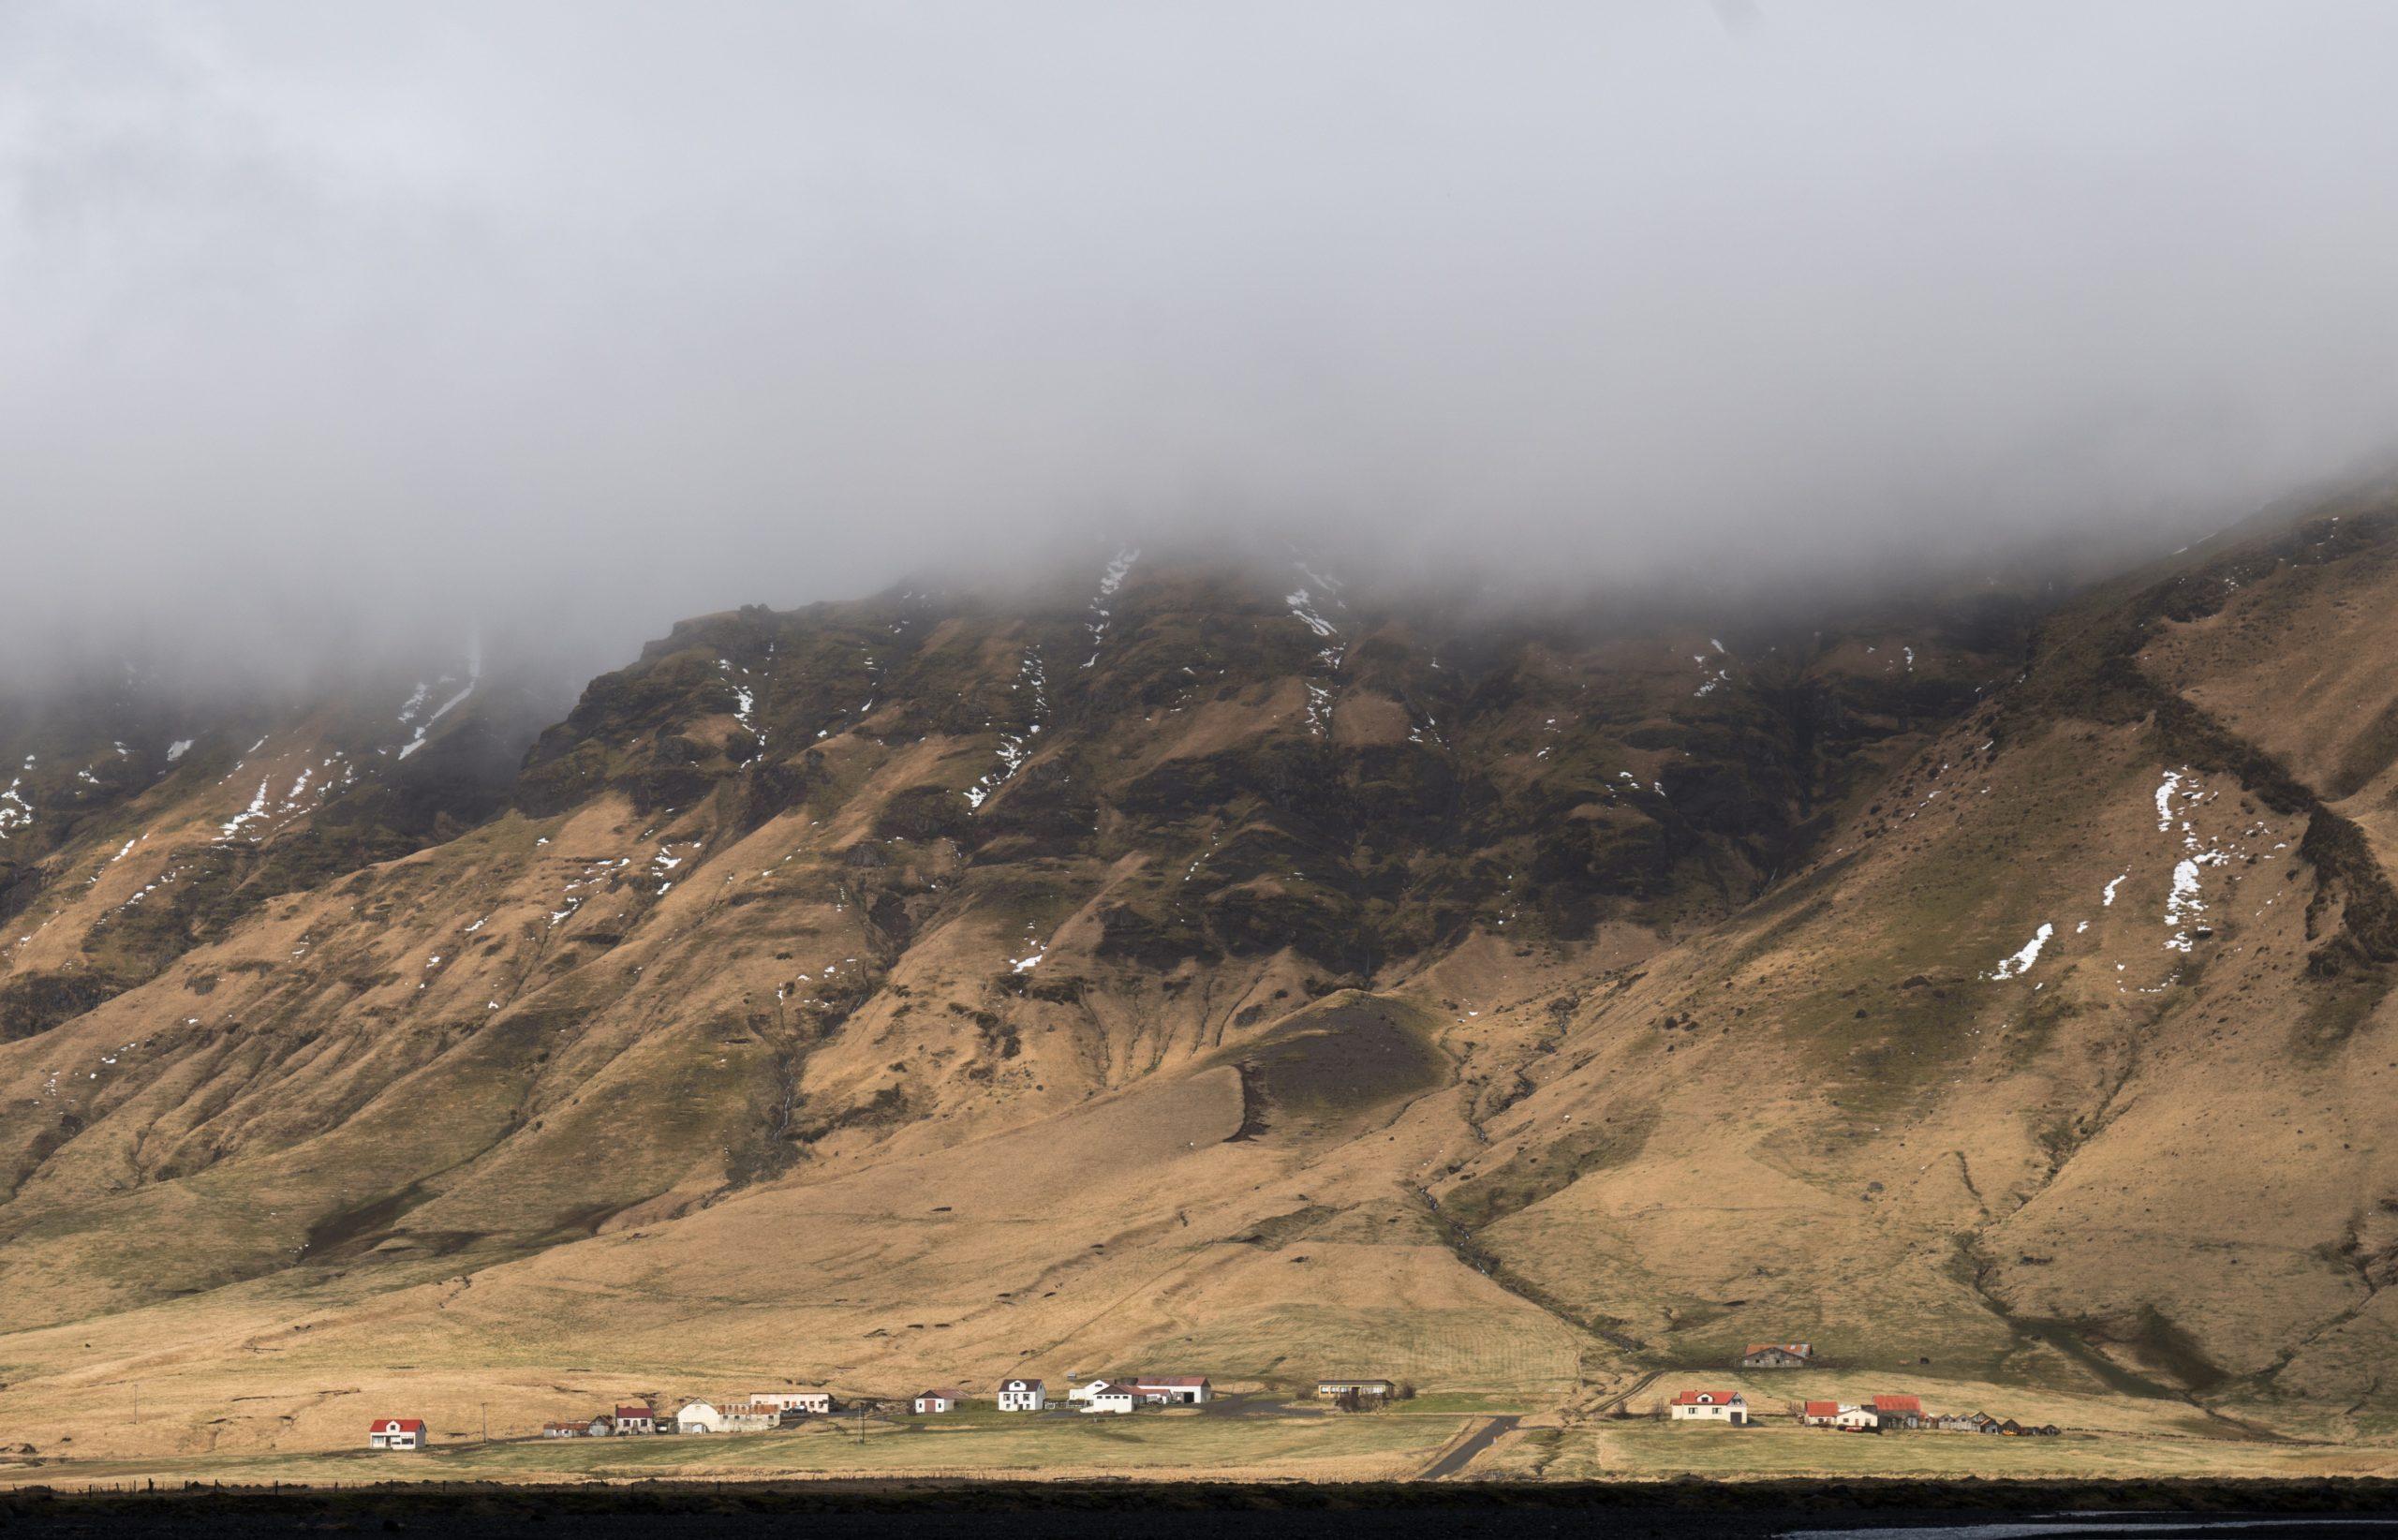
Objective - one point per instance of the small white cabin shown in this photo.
(396, 1433)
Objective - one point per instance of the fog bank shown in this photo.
(349, 326)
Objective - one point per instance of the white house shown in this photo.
(1117, 1401)
(1022, 1395)
(934, 1402)
(1173, 1389)
(1082, 1393)
(817, 1402)
(396, 1433)
(1858, 1419)
(700, 1417)
(636, 1419)
(1727, 1406)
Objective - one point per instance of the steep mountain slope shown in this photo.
(1230, 968)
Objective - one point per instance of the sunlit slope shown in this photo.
(1189, 965)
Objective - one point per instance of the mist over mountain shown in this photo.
(362, 331)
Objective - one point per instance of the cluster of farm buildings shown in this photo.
(1882, 1414)
(764, 1411)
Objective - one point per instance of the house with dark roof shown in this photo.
(1022, 1395)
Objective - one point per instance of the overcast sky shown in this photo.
(599, 314)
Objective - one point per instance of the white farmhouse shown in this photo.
(1120, 1402)
(396, 1433)
(1728, 1406)
(1022, 1395)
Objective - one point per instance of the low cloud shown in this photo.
(382, 324)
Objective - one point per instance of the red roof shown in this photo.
(1823, 1409)
(397, 1425)
(626, 1412)
(1899, 1403)
(1708, 1397)
(1171, 1382)
(1799, 1350)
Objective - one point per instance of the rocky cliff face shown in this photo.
(1227, 964)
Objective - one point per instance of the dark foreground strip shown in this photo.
(927, 1510)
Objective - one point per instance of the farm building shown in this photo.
(1373, 1390)
(1173, 1389)
(636, 1419)
(1819, 1414)
(932, 1402)
(815, 1403)
(1858, 1419)
(700, 1417)
(396, 1433)
(1778, 1355)
(1022, 1395)
(1899, 1411)
(1119, 1401)
(1710, 1406)
(1082, 1393)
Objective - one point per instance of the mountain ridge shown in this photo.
(1524, 1006)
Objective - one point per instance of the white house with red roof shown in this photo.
(636, 1419)
(1728, 1406)
(396, 1433)
(1820, 1413)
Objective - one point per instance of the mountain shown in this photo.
(1223, 966)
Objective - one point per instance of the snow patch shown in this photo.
(2018, 964)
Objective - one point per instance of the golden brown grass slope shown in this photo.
(1234, 983)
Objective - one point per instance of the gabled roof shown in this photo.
(1710, 1398)
(1899, 1403)
(627, 1413)
(1019, 1385)
(1823, 1409)
(1171, 1382)
(1802, 1350)
(397, 1425)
